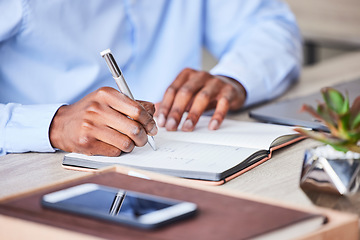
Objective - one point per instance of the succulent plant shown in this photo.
(342, 120)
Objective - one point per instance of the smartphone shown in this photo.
(119, 205)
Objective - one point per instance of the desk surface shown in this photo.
(277, 179)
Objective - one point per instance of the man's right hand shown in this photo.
(105, 122)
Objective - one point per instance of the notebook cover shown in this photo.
(219, 217)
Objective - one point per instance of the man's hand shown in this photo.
(195, 92)
(105, 122)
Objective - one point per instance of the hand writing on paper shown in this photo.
(195, 92)
(105, 122)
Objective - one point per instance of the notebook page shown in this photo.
(231, 133)
(178, 155)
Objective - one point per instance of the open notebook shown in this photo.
(203, 154)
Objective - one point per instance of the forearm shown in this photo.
(25, 128)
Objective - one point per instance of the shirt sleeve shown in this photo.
(25, 128)
(257, 43)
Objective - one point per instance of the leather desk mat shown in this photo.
(219, 216)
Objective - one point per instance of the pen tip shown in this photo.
(106, 51)
(151, 142)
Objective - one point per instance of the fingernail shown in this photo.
(161, 120)
(214, 125)
(154, 130)
(171, 124)
(188, 126)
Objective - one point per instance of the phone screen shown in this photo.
(114, 203)
(118, 205)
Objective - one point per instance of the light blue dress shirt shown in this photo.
(49, 53)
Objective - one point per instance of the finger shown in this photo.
(100, 148)
(148, 106)
(90, 141)
(226, 96)
(184, 96)
(146, 120)
(122, 104)
(202, 100)
(170, 94)
(182, 99)
(104, 117)
(221, 110)
(124, 125)
(157, 107)
(116, 139)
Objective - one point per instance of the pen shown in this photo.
(121, 83)
(117, 202)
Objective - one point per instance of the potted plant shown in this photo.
(331, 172)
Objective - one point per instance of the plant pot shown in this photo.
(331, 179)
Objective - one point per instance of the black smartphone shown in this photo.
(119, 205)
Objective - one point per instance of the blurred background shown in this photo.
(330, 28)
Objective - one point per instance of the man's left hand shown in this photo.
(197, 91)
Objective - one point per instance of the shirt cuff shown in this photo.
(27, 128)
(260, 85)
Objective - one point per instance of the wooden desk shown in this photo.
(276, 179)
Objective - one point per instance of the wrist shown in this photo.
(240, 89)
(55, 128)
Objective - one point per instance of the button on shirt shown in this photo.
(49, 53)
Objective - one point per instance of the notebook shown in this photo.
(203, 154)
(288, 112)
